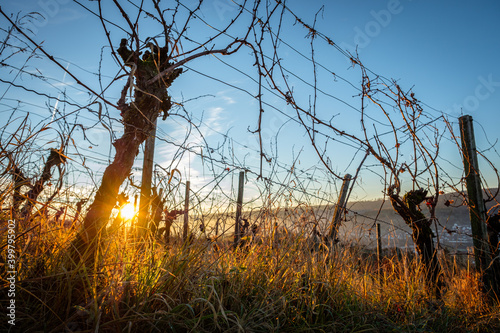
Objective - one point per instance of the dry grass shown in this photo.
(281, 287)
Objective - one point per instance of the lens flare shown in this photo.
(127, 212)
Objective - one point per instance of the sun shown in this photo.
(127, 211)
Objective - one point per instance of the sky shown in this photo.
(445, 51)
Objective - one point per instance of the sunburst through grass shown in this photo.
(128, 211)
(273, 285)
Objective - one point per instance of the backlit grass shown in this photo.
(276, 285)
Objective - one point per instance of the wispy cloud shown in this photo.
(228, 100)
(213, 121)
(68, 15)
(63, 84)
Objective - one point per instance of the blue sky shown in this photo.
(447, 52)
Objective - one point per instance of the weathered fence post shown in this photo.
(379, 245)
(186, 213)
(339, 209)
(239, 204)
(477, 209)
(147, 176)
(490, 271)
(379, 253)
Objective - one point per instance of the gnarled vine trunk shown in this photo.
(422, 234)
(493, 271)
(115, 174)
(138, 117)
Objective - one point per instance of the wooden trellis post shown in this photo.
(147, 176)
(490, 270)
(379, 245)
(339, 210)
(477, 208)
(239, 204)
(186, 213)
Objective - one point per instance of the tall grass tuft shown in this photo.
(145, 285)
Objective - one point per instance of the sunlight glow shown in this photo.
(128, 212)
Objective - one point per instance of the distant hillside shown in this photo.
(451, 208)
(456, 197)
(453, 222)
(452, 214)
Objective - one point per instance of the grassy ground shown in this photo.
(266, 287)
